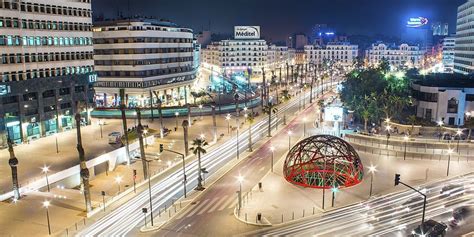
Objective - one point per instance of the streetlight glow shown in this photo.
(46, 204)
(372, 169)
(272, 148)
(406, 138)
(118, 179)
(45, 169)
(240, 178)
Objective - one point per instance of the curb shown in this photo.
(268, 224)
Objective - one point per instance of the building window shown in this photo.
(452, 105)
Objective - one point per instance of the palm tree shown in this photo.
(251, 120)
(412, 121)
(269, 109)
(365, 115)
(198, 149)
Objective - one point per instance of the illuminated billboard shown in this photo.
(416, 22)
(333, 114)
(247, 32)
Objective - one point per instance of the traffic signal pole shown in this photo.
(184, 166)
(397, 181)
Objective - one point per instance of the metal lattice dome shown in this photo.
(323, 162)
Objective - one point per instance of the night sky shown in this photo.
(280, 18)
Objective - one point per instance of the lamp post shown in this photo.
(334, 190)
(450, 151)
(57, 145)
(240, 179)
(45, 170)
(176, 127)
(200, 112)
(145, 132)
(458, 133)
(405, 140)
(304, 127)
(272, 149)
(101, 123)
(372, 170)
(440, 124)
(387, 128)
(46, 205)
(118, 180)
(289, 140)
(13, 162)
(227, 117)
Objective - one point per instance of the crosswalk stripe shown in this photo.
(213, 208)
(208, 205)
(227, 203)
(196, 208)
(234, 203)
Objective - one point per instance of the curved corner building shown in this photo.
(148, 58)
(323, 162)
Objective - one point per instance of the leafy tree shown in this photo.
(269, 109)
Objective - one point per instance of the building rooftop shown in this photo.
(149, 21)
(445, 80)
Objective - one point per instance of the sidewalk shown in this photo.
(280, 202)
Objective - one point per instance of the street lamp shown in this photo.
(228, 123)
(450, 151)
(45, 170)
(176, 114)
(440, 124)
(388, 128)
(458, 133)
(405, 140)
(372, 170)
(57, 145)
(240, 179)
(145, 132)
(101, 123)
(289, 140)
(200, 112)
(334, 190)
(272, 149)
(118, 180)
(304, 127)
(46, 205)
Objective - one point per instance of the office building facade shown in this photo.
(47, 67)
(401, 56)
(464, 51)
(341, 52)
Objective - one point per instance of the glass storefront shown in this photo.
(66, 122)
(50, 127)
(33, 131)
(12, 125)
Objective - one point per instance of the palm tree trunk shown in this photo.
(199, 186)
(270, 122)
(84, 170)
(365, 125)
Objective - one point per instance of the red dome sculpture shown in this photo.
(323, 162)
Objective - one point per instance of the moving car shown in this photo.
(431, 228)
(115, 138)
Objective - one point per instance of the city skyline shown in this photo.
(380, 17)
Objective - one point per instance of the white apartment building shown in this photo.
(148, 58)
(448, 47)
(46, 66)
(278, 56)
(235, 55)
(464, 50)
(342, 52)
(402, 56)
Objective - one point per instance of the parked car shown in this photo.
(115, 138)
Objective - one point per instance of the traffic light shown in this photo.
(397, 179)
(161, 148)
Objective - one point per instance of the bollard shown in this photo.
(246, 218)
(75, 225)
(169, 213)
(303, 212)
(179, 204)
(281, 218)
(174, 208)
(159, 212)
(165, 207)
(313, 210)
(293, 216)
(84, 221)
(260, 186)
(259, 217)
(67, 232)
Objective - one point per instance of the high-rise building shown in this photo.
(46, 66)
(440, 29)
(148, 58)
(448, 47)
(463, 52)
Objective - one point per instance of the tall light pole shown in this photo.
(289, 140)
(228, 123)
(240, 179)
(118, 180)
(45, 170)
(101, 123)
(57, 145)
(304, 127)
(372, 170)
(387, 128)
(46, 205)
(176, 114)
(458, 133)
(440, 124)
(214, 122)
(238, 128)
(141, 145)
(272, 149)
(405, 140)
(185, 133)
(450, 151)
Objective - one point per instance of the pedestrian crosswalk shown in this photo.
(210, 205)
